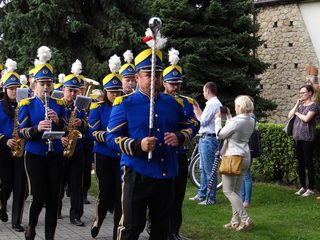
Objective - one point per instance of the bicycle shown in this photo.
(195, 169)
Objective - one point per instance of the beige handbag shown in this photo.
(230, 165)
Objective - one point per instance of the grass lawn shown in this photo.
(277, 214)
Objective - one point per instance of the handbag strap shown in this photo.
(224, 147)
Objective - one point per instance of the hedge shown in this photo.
(278, 161)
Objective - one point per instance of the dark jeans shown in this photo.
(304, 151)
(139, 193)
(44, 175)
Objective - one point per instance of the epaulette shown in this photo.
(94, 105)
(59, 101)
(180, 101)
(25, 101)
(190, 100)
(119, 99)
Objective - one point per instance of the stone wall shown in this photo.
(288, 50)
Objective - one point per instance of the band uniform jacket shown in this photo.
(31, 112)
(129, 124)
(98, 122)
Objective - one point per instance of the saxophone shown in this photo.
(18, 150)
(73, 136)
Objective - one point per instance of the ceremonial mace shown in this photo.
(154, 25)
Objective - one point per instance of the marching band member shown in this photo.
(43, 167)
(59, 84)
(127, 71)
(73, 168)
(12, 173)
(87, 143)
(172, 80)
(107, 160)
(147, 183)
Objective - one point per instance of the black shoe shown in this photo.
(18, 227)
(94, 231)
(3, 216)
(77, 222)
(30, 233)
(85, 200)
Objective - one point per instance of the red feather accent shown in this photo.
(147, 39)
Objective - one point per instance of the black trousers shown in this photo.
(180, 183)
(44, 174)
(304, 151)
(73, 178)
(139, 193)
(109, 187)
(88, 159)
(12, 179)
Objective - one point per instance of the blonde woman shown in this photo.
(236, 134)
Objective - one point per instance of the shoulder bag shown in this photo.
(289, 125)
(231, 165)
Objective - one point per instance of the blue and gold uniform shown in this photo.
(12, 173)
(172, 77)
(31, 112)
(73, 165)
(107, 160)
(146, 184)
(128, 125)
(43, 168)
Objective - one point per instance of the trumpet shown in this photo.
(90, 82)
(46, 107)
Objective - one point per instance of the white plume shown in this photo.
(173, 56)
(36, 62)
(76, 67)
(128, 56)
(61, 77)
(44, 54)
(23, 79)
(161, 41)
(115, 63)
(11, 65)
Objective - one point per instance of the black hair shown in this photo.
(7, 104)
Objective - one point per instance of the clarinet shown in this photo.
(46, 106)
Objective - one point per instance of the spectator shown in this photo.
(208, 143)
(237, 131)
(304, 128)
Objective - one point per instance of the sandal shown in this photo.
(245, 225)
(231, 225)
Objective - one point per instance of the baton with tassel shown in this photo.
(154, 25)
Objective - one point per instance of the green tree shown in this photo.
(216, 40)
(90, 31)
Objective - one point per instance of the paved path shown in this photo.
(64, 229)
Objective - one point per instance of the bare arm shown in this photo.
(306, 118)
(294, 109)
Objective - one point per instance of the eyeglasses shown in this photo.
(302, 92)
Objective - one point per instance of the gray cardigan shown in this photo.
(238, 131)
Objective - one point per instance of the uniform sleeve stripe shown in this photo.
(94, 125)
(130, 147)
(115, 128)
(25, 119)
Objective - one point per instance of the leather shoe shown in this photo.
(77, 222)
(94, 231)
(3, 216)
(30, 233)
(18, 227)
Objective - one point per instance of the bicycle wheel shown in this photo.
(194, 171)
(195, 174)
